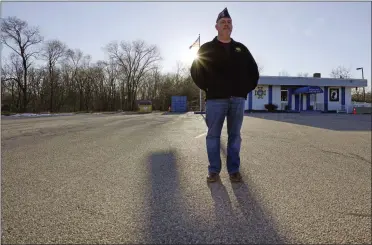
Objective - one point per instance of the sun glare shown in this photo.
(191, 55)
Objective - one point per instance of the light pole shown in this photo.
(364, 91)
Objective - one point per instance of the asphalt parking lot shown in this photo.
(96, 178)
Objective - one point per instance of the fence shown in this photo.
(361, 104)
(365, 105)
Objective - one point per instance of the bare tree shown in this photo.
(74, 60)
(94, 87)
(111, 72)
(303, 74)
(11, 75)
(84, 82)
(283, 73)
(53, 51)
(181, 71)
(136, 59)
(36, 77)
(19, 37)
(70, 81)
(341, 72)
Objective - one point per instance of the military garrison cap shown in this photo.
(223, 14)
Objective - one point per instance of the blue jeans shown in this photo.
(216, 111)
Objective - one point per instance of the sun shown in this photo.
(190, 55)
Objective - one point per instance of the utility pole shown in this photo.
(364, 89)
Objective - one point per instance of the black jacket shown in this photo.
(221, 75)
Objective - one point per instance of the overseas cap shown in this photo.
(223, 14)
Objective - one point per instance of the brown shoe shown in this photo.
(236, 177)
(212, 177)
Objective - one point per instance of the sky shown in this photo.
(294, 37)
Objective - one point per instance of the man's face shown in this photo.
(224, 26)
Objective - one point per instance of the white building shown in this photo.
(303, 93)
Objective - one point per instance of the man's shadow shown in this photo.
(251, 224)
(224, 228)
(247, 222)
(257, 221)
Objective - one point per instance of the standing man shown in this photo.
(227, 72)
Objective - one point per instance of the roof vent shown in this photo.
(317, 75)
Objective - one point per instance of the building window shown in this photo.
(284, 95)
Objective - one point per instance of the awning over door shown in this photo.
(308, 90)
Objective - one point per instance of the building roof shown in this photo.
(312, 81)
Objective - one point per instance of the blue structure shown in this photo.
(179, 104)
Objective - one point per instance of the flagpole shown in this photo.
(200, 91)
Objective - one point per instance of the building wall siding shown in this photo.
(322, 100)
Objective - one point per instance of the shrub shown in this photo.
(271, 107)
